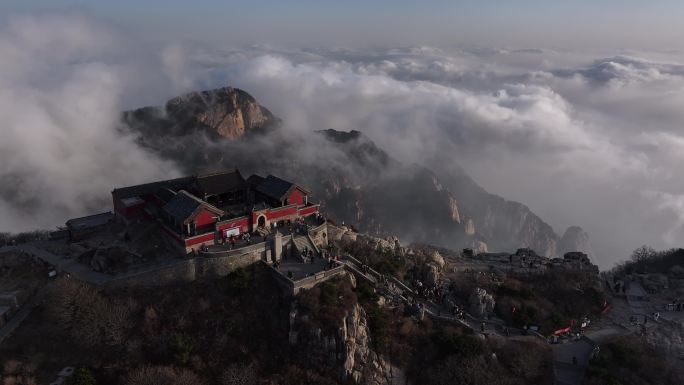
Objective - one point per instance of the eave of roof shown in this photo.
(277, 188)
(220, 182)
(184, 207)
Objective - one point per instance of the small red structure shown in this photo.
(212, 208)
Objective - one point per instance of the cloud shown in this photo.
(582, 139)
(671, 205)
(64, 78)
(578, 139)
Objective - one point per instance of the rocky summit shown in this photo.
(228, 113)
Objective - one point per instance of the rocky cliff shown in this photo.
(341, 344)
(498, 224)
(225, 112)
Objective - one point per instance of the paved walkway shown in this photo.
(570, 361)
(615, 324)
(68, 265)
(23, 312)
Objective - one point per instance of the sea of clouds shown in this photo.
(583, 138)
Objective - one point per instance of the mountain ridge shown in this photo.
(356, 181)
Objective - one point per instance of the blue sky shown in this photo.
(577, 23)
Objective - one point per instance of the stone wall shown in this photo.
(217, 264)
(220, 266)
(188, 270)
(319, 235)
(176, 272)
(309, 282)
(294, 287)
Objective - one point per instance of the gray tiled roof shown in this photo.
(184, 205)
(219, 183)
(274, 187)
(254, 180)
(151, 188)
(165, 194)
(90, 221)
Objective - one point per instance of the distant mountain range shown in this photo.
(356, 181)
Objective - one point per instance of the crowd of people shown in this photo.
(675, 306)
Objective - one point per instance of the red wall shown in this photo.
(200, 239)
(119, 206)
(204, 220)
(127, 212)
(308, 211)
(242, 223)
(296, 197)
(277, 214)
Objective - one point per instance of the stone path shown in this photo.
(23, 312)
(400, 292)
(68, 265)
(615, 324)
(569, 371)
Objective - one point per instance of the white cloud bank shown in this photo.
(581, 141)
(64, 79)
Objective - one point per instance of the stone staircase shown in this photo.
(263, 231)
(302, 243)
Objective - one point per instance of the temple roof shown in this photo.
(274, 187)
(219, 183)
(152, 188)
(90, 221)
(254, 180)
(184, 206)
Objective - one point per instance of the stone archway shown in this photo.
(261, 221)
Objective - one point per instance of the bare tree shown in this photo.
(643, 253)
(239, 375)
(89, 317)
(17, 373)
(162, 375)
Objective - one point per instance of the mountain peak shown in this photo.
(224, 112)
(575, 239)
(341, 136)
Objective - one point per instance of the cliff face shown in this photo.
(356, 181)
(500, 223)
(344, 349)
(225, 112)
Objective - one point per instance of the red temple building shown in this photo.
(207, 209)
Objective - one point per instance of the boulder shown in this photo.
(437, 259)
(100, 261)
(478, 246)
(481, 303)
(349, 237)
(431, 274)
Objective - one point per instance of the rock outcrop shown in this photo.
(478, 246)
(481, 303)
(575, 239)
(348, 349)
(225, 112)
